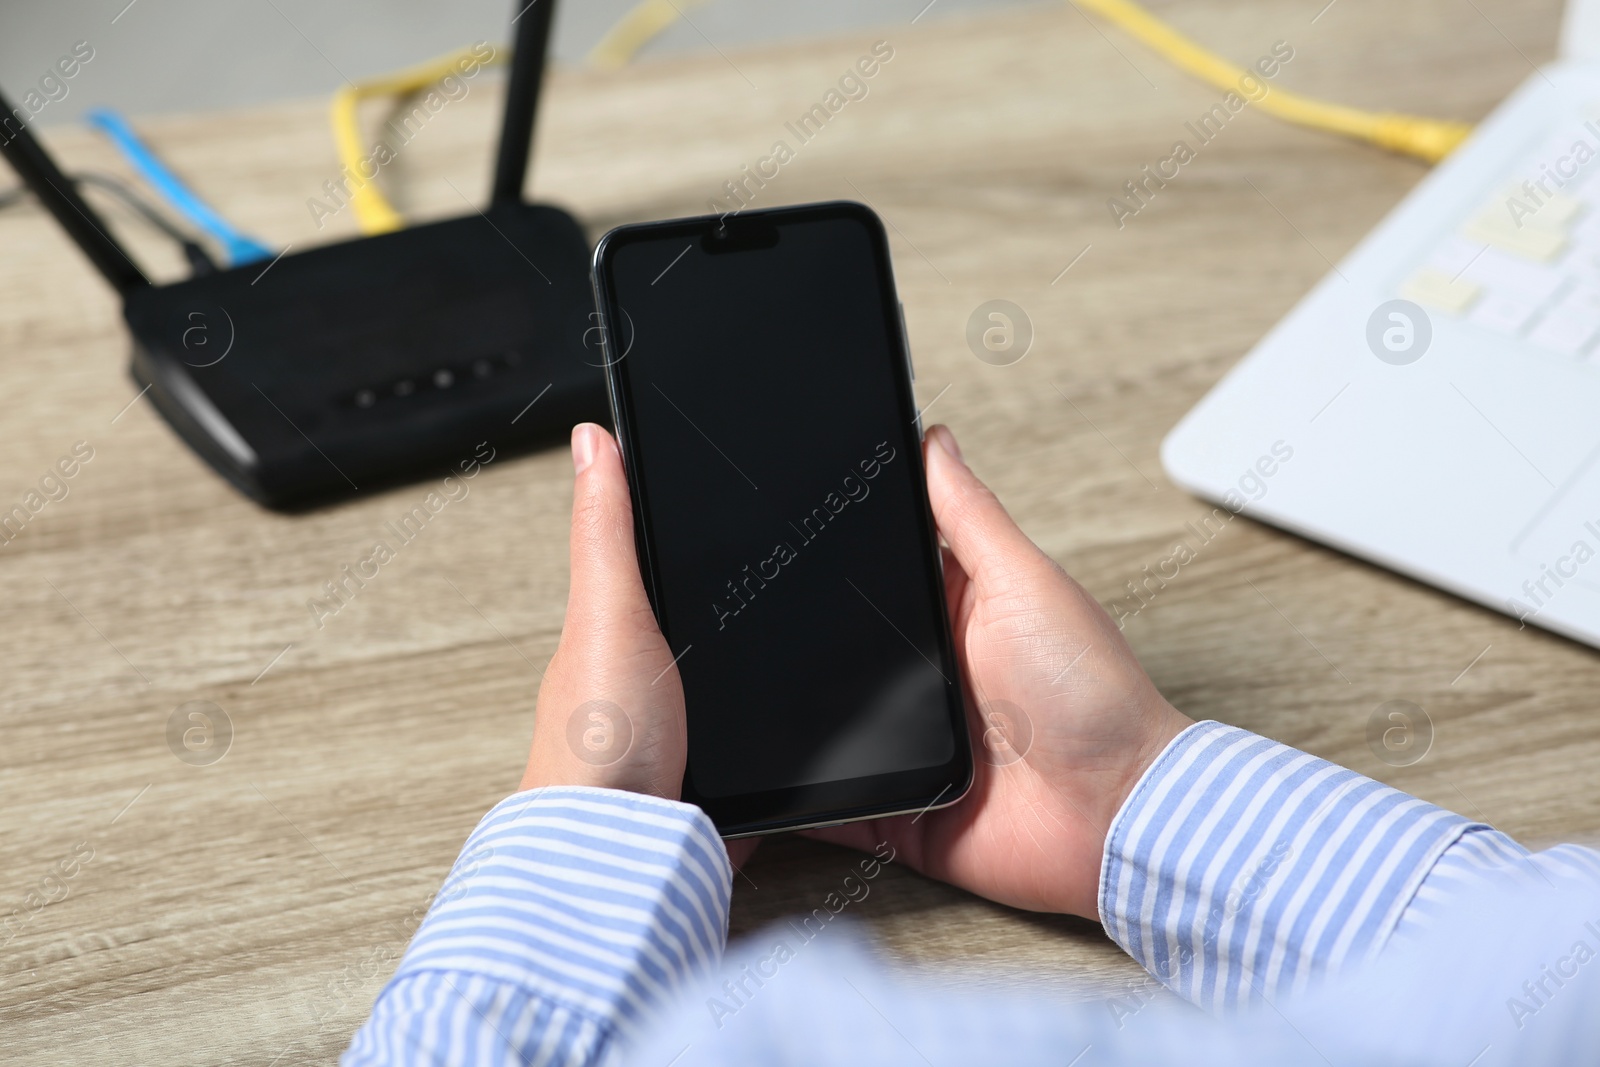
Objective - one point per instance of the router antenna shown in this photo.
(57, 193)
(522, 99)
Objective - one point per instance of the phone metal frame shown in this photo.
(961, 767)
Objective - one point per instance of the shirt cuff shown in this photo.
(1241, 869)
(597, 902)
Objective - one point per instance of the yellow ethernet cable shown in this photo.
(372, 209)
(642, 24)
(1429, 139)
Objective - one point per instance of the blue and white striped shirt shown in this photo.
(586, 926)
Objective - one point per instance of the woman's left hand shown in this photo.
(610, 711)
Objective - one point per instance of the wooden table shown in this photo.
(248, 911)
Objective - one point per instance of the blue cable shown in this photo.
(237, 247)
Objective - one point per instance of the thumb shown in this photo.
(602, 719)
(984, 538)
(606, 586)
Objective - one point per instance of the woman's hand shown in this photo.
(610, 710)
(1063, 718)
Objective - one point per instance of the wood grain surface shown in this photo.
(248, 911)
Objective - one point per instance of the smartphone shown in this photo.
(760, 384)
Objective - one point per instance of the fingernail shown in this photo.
(582, 447)
(946, 440)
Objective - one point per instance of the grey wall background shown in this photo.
(155, 56)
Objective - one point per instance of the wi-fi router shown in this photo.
(358, 365)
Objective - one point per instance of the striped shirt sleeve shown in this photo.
(1484, 856)
(1241, 869)
(570, 916)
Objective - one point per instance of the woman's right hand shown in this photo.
(1064, 720)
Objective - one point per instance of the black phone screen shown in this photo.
(763, 397)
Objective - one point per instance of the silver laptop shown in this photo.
(1434, 404)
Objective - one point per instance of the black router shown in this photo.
(358, 365)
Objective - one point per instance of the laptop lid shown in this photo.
(1580, 31)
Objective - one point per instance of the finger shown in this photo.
(739, 851)
(897, 839)
(606, 586)
(857, 835)
(981, 534)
